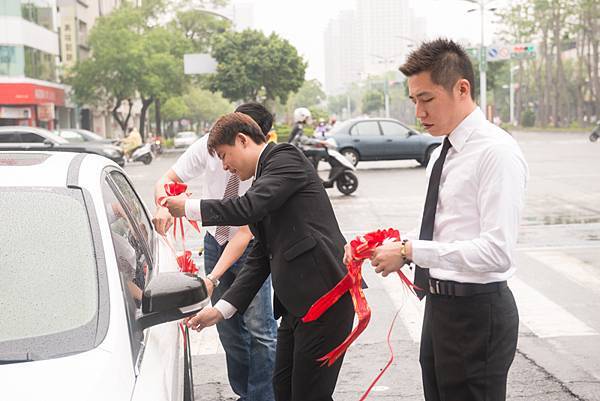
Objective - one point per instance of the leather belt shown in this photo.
(455, 289)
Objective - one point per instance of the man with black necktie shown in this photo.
(297, 241)
(464, 252)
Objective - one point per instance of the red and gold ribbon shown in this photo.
(362, 248)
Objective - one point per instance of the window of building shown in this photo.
(39, 12)
(40, 65)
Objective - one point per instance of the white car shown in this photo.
(91, 297)
(185, 139)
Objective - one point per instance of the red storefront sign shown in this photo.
(28, 93)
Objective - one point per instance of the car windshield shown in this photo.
(91, 136)
(71, 136)
(48, 279)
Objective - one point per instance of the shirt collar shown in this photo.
(258, 160)
(460, 135)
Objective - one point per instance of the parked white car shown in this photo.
(91, 296)
(185, 139)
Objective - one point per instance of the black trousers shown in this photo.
(298, 376)
(468, 345)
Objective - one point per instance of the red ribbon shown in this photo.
(362, 248)
(185, 262)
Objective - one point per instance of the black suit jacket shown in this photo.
(298, 239)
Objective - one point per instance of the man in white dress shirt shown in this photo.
(249, 339)
(465, 248)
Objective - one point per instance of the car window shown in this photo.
(9, 137)
(392, 128)
(49, 275)
(71, 136)
(366, 128)
(30, 137)
(131, 255)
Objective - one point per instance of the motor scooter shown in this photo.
(142, 153)
(342, 171)
(595, 133)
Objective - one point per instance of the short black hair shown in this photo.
(259, 113)
(445, 59)
(228, 126)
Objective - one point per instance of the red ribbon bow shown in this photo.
(362, 248)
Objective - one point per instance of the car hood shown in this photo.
(92, 376)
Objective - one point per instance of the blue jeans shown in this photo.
(249, 339)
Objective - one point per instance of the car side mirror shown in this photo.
(411, 133)
(48, 142)
(172, 296)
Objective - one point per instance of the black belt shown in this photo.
(455, 289)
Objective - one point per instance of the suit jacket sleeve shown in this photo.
(283, 174)
(250, 279)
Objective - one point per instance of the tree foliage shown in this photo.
(373, 101)
(255, 67)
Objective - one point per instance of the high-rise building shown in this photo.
(343, 52)
(76, 18)
(29, 90)
(374, 39)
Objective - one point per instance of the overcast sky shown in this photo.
(303, 22)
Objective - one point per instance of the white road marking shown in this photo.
(544, 317)
(571, 267)
(411, 313)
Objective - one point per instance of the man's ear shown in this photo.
(464, 88)
(243, 139)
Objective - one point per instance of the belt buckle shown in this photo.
(431, 287)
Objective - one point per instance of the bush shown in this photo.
(169, 143)
(528, 118)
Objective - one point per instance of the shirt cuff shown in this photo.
(226, 309)
(424, 253)
(192, 209)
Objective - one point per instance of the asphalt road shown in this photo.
(557, 285)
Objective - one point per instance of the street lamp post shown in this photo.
(482, 58)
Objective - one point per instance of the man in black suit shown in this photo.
(298, 241)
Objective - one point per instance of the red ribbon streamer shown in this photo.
(362, 248)
(185, 262)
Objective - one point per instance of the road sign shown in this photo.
(498, 53)
(199, 63)
(522, 51)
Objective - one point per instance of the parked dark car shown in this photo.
(364, 139)
(33, 138)
(79, 135)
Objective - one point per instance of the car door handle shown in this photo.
(388, 140)
(356, 140)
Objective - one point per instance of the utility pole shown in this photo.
(482, 58)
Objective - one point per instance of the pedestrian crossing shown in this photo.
(540, 314)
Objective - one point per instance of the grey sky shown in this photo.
(303, 22)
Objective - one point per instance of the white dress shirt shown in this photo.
(481, 197)
(196, 162)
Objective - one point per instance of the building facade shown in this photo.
(30, 93)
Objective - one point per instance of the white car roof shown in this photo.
(46, 169)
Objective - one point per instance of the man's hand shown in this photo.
(387, 258)
(347, 254)
(162, 220)
(210, 287)
(205, 318)
(176, 205)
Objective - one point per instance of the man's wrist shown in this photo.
(406, 251)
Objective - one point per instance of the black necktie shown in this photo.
(422, 275)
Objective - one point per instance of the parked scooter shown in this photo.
(342, 170)
(595, 133)
(156, 145)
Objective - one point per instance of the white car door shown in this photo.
(157, 352)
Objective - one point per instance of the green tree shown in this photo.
(108, 76)
(372, 101)
(205, 106)
(255, 67)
